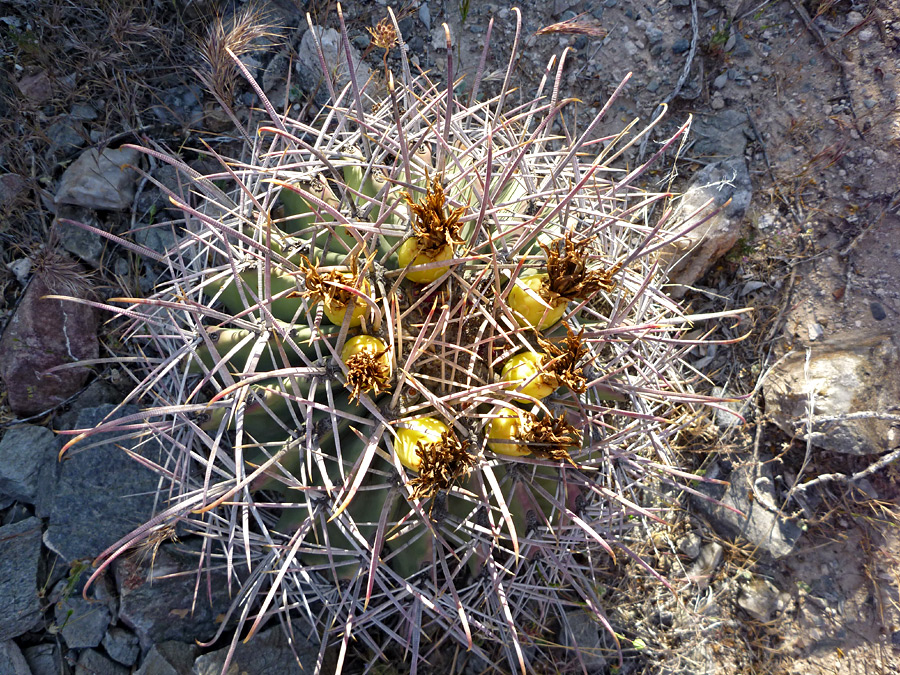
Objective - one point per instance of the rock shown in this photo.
(20, 550)
(759, 520)
(12, 186)
(720, 81)
(722, 135)
(82, 623)
(168, 658)
(309, 68)
(691, 256)
(717, 102)
(66, 137)
(12, 662)
(709, 558)
(121, 645)
(681, 45)
(581, 634)
(43, 334)
(100, 485)
(425, 15)
(94, 663)
(158, 609)
(27, 456)
(180, 104)
(36, 88)
(689, 545)
(45, 659)
(728, 415)
(100, 181)
(269, 653)
(760, 598)
(846, 375)
(85, 245)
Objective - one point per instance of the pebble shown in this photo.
(721, 80)
(717, 102)
(425, 15)
(877, 310)
(866, 34)
(681, 45)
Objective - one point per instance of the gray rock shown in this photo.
(94, 663)
(168, 658)
(843, 376)
(581, 634)
(100, 485)
(100, 181)
(708, 560)
(158, 608)
(12, 185)
(729, 415)
(760, 598)
(82, 623)
(720, 81)
(269, 653)
(20, 550)
(722, 135)
(181, 105)
(43, 334)
(121, 645)
(83, 111)
(46, 659)
(309, 70)
(66, 137)
(425, 15)
(83, 244)
(691, 256)
(681, 45)
(12, 662)
(27, 459)
(755, 518)
(689, 545)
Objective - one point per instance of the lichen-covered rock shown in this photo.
(42, 334)
(270, 653)
(841, 377)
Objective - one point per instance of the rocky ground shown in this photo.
(794, 105)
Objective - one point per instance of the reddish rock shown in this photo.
(36, 88)
(43, 334)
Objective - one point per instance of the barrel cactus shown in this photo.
(415, 366)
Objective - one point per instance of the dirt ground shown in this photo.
(805, 91)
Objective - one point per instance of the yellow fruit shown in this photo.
(504, 430)
(525, 367)
(409, 253)
(336, 311)
(426, 431)
(530, 309)
(363, 344)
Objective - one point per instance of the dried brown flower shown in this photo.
(368, 372)
(563, 363)
(549, 437)
(568, 273)
(443, 463)
(434, 228)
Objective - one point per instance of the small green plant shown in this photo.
(326, 364)
(463, 10)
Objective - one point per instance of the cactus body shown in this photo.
(293, 456)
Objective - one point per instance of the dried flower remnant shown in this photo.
(442, 463)
(331, 288)
(567, 272)
(435, 231)
(368, 365)
(563, 363)
(384, 36)
(550, 437)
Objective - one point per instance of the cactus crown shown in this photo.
(379, 491)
